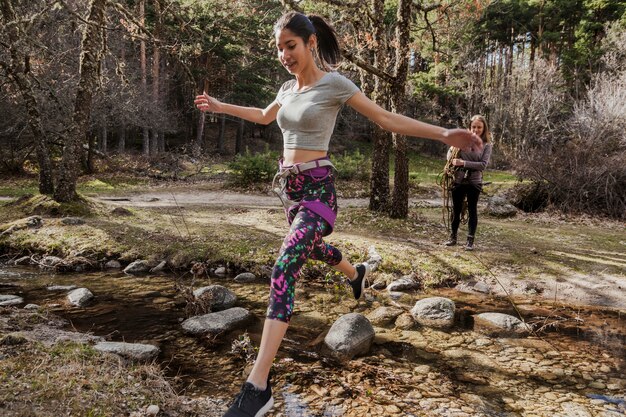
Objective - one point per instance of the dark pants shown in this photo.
(459, 193)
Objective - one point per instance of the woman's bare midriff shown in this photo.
(298, 156)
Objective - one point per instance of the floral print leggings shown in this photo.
(304, 240)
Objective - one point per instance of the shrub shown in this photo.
(250, 168)
(580, 166)
(352, 166)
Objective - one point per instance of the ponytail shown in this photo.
(327, 45)
(328, 53)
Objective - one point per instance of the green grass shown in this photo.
(111, 184)
(500, 177)
(18, 186)
(424, 169)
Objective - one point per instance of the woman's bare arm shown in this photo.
(264, 116)
(397, 123)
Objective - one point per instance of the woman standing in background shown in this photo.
(468, 180)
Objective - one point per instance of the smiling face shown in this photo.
(477, 127)
(293, 53)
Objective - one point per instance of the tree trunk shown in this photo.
(239, 140)
(121, 143)
(144, 86)
(196, 146)
(400, 199)
(221, 134)
(154, 142)
(379, 181)
(17, 72)
(161, 146)
(200, 140)
(156, 77)
(104, 143)
(91, 146)
(91, 54)
(146, 141)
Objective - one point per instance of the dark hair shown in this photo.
(327, 45)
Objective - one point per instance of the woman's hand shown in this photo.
(205, 102)
(462, 139)
(458, 162)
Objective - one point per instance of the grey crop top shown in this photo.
(307, 118)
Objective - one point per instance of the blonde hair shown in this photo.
(486, 136)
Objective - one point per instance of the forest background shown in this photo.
(84, 81)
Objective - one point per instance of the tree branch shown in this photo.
(426, 8)
(368, 67)
(26, 22)
(431, 30)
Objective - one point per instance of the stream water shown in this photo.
(149, 309)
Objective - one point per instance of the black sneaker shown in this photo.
(251, 402)
(358, 285)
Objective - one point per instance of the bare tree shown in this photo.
(91, 53)
(18, 71)
(142, 57)
(400, 199)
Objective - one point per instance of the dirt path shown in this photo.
(224, 198)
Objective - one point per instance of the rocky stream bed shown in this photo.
(571, 364)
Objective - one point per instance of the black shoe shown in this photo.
(251, 402)
(358, 284)
(470, 243)
(452, 240)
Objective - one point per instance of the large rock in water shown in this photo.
(215, 297)
(434, 312)
(384, 315)
(79, 297)
(499, 324)
(10, 300)
(352, 334)
(222, 321)
(133, 351)
(137, 267)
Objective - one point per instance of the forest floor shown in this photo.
(566, 260)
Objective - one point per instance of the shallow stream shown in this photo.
(577, 361)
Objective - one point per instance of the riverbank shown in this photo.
(575, 259)
(46, 371)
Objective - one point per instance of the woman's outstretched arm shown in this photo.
(397, 123)
(265, 116)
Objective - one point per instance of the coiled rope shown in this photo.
(446, 181)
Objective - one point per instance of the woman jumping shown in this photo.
(306, 108)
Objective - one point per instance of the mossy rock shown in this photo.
(44, 205)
